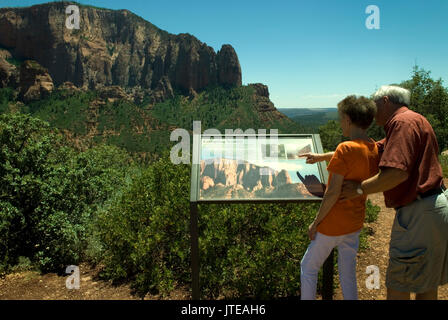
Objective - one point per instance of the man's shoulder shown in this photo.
(409, 116)
(411, 121)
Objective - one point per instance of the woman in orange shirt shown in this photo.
(338, 223)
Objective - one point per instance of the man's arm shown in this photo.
(386, 179)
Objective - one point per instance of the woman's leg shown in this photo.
(347, 250)
(318, 250)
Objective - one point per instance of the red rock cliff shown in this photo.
(114, 48)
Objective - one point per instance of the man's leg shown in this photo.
(428, 295)
(397, 295)
(318, 250)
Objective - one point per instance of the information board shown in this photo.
(256, 168)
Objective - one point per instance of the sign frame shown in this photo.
(195, 171)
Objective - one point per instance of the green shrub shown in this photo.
(25, 145)
(245, 250)
(429, 97)
(12, 223)
(331, 135)
(6, 96)
(253, 251)
(23, 264)
(372, 212)
(50, 192)
(144, 232)
(76, 191)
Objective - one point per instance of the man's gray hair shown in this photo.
(397, 95)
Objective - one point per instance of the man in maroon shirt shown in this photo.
(412, 182)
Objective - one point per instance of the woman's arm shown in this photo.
(317, 157)
(331, 196)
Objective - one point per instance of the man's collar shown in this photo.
(397, 112)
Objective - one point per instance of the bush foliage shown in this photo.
(49, 192)
(144, 230)
(245, 250)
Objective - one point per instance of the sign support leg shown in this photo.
(194, 238)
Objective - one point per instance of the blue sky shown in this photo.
(310, 53)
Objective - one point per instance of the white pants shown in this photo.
(315, 256)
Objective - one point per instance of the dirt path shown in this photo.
(378, 254)
(31, 285)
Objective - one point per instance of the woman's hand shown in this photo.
(311, 157)
(316, 157)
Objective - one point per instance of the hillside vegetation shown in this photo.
(145, 128)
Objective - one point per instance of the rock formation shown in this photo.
(113, 93)
(8, 74)
(261, 90)
(228, 179)
(68, 89)
(249, 176)
(261, 96)
(229, 69)
(263, 105)
(35, 82)
(114, 48)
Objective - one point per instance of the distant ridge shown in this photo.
(310, 117)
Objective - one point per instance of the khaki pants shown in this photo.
(418, 253)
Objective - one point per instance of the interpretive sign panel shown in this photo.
(256, 168)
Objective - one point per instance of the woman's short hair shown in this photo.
(397, 95)
(360, 110)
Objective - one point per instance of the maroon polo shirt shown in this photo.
(410, 145)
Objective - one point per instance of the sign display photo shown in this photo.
(258, 168)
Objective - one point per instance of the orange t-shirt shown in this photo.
(356, 160)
